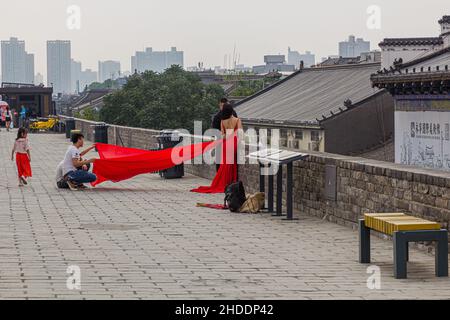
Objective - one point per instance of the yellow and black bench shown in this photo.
(404, 229)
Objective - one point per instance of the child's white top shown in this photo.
(21, 145)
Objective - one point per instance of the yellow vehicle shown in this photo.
(44, 125)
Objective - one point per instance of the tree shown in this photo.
(170, 100)
(88, 113)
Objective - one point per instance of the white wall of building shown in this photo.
(408, 53)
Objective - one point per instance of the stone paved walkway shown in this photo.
(145, 239)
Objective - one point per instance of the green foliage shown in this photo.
(108, 84)
(250, 87)
(170, 100)
(88, 114)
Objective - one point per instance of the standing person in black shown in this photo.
(217, 120)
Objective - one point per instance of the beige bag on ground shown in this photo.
(254, 204)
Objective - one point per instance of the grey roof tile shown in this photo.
(308, 94)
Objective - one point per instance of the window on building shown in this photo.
(283, 133)
(299, 134)
(446, 68)
(315, 136)
(437, 68)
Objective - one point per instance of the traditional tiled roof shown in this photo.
(402, 79)
(411, 41)
(90, 95)
(311, 95)
(445, 19)
(339, 61)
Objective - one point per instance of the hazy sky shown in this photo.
(208, 29)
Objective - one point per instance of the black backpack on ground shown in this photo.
(235, 196)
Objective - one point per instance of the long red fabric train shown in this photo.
(228, 170)
(119, 163)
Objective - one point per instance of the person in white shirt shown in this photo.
(60, 181)
(73, 160)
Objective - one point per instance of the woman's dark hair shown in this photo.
(227, 111)
(224, 100)
(21, 133)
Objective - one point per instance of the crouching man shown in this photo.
(76, 170)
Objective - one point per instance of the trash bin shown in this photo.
(169, 139)
(61, 127)
(70, 125)
(101, 133)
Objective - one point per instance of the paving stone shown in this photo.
(146, 239)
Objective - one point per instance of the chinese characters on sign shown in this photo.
(423, 139)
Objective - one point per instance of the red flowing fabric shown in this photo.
(227, 173)
(119, 163)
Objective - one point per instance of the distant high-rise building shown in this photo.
(274, 63)
(59, 66)
(38, 79)
(156, 61)
(29, 68)
(108, 70)
(17, 64)
(75, 73)
(353, 47)
(295, 58)
(79, 78)
(88, 77)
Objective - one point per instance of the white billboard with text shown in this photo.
(423, 139)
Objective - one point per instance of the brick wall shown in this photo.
(363, 185)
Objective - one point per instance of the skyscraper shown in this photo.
(29, 68)
(81, 79)
(17, 64)
(59, 66)
(108, 70)
(353, 48)
(76, 76)
(295, 58)
(87, 77)
(157, 61)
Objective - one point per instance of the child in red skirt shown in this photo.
(23, 156)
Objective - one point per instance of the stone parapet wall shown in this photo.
(363, 185)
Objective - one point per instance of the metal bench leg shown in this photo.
(407, 252)
(270, 195)
(364, 242)
(442, 254)
(262, 181)
(279, 212)
(400, 265)
(289, 190)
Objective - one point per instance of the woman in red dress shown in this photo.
(228, 171)
(23, 156)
